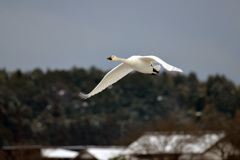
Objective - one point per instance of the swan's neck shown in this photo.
(121, 60)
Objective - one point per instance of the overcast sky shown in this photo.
(199, 36)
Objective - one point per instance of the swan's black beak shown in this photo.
(110, 58)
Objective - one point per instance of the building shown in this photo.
(58, 153)
(201, 145)
(101, 153)
(181, 146)
(27, 152)
(39, 152)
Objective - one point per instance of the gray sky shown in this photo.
(199, 36)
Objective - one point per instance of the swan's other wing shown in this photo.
(164, 64)
(111, 77)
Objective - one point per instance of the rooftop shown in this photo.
(174, 142)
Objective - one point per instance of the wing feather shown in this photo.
(160, 61)
(110, 78)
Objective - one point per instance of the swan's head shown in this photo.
(112, 58)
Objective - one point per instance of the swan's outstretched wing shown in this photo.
(111, 77)
(164, 64)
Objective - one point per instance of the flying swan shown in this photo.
(141, 64)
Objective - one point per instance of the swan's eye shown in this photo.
(112, 57)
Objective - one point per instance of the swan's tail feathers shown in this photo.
(83, 96)
(157, 67)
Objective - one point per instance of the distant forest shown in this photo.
(44, 108)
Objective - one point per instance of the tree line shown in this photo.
(38, 107)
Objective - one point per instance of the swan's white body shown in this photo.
(141, 64)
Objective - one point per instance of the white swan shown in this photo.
(141, 64)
